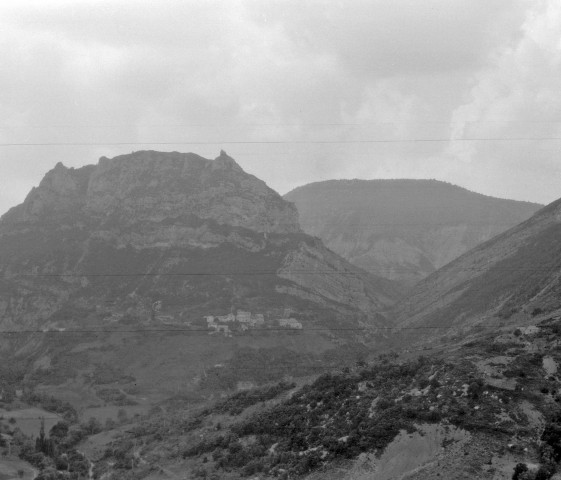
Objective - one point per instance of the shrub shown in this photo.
(519, 469)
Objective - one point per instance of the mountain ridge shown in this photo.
(510, 278)
(402, 229)
(112, 187)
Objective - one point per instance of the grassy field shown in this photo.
(28, 420)
(10, 467)
(111, 412)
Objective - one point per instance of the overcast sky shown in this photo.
(316, 89)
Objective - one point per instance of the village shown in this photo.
(243, 321)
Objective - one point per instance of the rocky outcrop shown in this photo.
(153, 186)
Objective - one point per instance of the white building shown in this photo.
(227, 318)
(290, 323)
(243, 317)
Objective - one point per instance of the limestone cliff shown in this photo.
(155, 186)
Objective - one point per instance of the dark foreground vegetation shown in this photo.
(291, 432)
(488, 385)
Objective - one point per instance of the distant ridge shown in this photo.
(514, 278)
(402, 229)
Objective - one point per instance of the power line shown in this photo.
(346, 225)
(31, 223)
(251, 273)
(476, 328)
(261, 124)
(280, 142)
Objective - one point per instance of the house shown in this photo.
(225, 329)
(227, 318)
(290, 323)
(243, 317)
(249, 319)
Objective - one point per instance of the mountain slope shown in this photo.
(172, 256)
(509, 279)
(473, 409)
(402, 229)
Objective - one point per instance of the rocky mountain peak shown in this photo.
(156, 186)
(224, 161)
(60, 192)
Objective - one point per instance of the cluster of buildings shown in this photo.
(290, 323)
(244, 321)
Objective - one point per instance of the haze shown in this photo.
(462, 91)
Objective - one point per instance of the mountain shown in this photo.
(144, 288)
(402, 229)
(510, 279)
(152, 272)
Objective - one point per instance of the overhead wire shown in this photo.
(277, 142)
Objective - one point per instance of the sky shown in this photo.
(465, 91)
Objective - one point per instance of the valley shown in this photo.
(165, 316)
(402, 229)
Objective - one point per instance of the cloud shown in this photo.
(403, 37)
(286, 71)
(517, 97)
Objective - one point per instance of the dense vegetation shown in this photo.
(362, 408)
(342, 415)
(237, 403)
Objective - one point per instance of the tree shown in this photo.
(42, 443)
(475, 388)
(48, 474)
(519, 469)
(545, 472)
(93, 426)
(59, 430)
(552, 437)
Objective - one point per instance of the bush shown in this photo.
(519, 469)
(545, 472)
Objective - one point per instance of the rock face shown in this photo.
(153, 186)
(402, 229)
(151, 240)
(512, 278)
